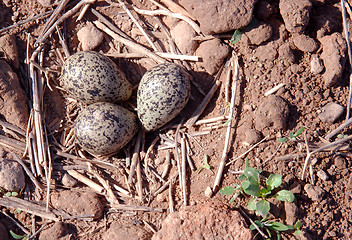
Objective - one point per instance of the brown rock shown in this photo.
(315, 193)
(90, 37)
(305, 43)
(183, 33)
(291, 213)
(295, 14)
(118, 231)
(286, 54)
(316, 65)
(206, 221)
(11, 176)
(213, 53)
(3, 232)
(267, 52)
(218, 16)
(331, 112)
(334, 57)
(55, 232)
(9, 49)
(272, 113)
(259, 33)
(15, 110)
(78, 203)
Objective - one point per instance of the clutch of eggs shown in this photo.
(162, 93)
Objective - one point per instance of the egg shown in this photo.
(104, 128)
(162, 93)
(92, 77)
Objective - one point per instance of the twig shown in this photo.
(129, 43)
(210, 120)
(146, 157)
(26, 21)
(307, 161)
(80, 177)
(338, 129)
(161, 54)
(171, 200)
(227, 85)
(170, 14)
(246, 152)
(29, 173)
(84, 10)
(135, 157)
(162, 188)
(203, 105)
(26, 206)
(345, 27)
(16, 222)
(167, 165)
(177, 134)
(12, 127)
(135, 208)
(308, 152)
(274, 89)
(253, 223)
(189, 160)
(123, 5)
(184, 159)
(174, 7)
(228, 132)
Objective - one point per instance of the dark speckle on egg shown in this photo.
(104, 128)
(162, 93)
(92, 77)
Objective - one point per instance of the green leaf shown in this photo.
(278, 235)
(263, 207)
(252, 174)
(264, 192)
(236, 36)
(340, 136)
(14, 194)
(299, 132)
(242, 177)
(282, 140)
(252, 204)
(278, 226)
(228, 190)
(298, 224)
(297, 232)
(285, 195)
(274, 181)
(8, 194)
(15, 236)
(258, 223)
(251, 189)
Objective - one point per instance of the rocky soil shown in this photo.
(297, 46)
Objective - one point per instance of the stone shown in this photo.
(316, 65)
(203, 221)
(334, 57)
(322, 175)
(266, 52)
(295, 14)
(118, 231)
(218, 16)
(315, 193)
(305, 43)
(90, 37)
(3, 232)
(208, 192)
(78, 203)
(258, 33)
(251, 136)
(55, 232)
(15, 110)
(213, 53)
(331, 112)
(9, 49)
(272, 113)
(286, 54)
(291, 211)
(183, 35)
(68, 181)
(12, 177)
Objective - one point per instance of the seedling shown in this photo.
(11, 194)
(292, 136)
(236, 36)
(16, 236)
(205, 165)
(277, 227)
(251, 186)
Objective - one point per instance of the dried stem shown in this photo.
(338, 129)
(184, 159)
(80, 177)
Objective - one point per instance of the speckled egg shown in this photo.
(162, 93)
(104, 128)
(92, 77)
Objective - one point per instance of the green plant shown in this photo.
(236, 36)
(205, 165)
(11, 194)
(16, 236)
(251, 186)
(276, 226)
(292, 136)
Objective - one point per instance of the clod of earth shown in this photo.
(11, 176)
(331, 112)
(90, 37)
(295, 14)
(57, 231)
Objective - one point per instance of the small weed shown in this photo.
(292, 136)
(205, 165)
(277, 227)
(16, 236)
(11, 194)
(341, 136)
(236, 37)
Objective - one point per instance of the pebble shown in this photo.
(57, 231)
(305, 43)
(316, 65)
(315, 193)
(68, 181)
(323, 175)
(11, 176)
(208, 192)
(331, 112)
(90, 37)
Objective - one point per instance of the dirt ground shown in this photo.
(298, 45)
